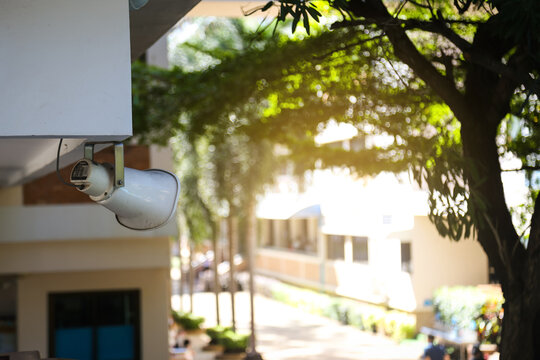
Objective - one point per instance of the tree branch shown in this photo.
(436, 26)
(375, 13)
(519, 77)
(534, 235)
(420, 5)
(503, 255)
(446, 60)
(348, 46)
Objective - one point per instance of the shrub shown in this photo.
(472, 308)
(398, 325)
(187, 321)
(216, 334)
(458, 307)
(234, 342)
(355, 319)
(489, 321)
(339, 311)
(373, 318)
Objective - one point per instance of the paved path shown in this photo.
(286, 333)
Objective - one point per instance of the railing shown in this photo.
(67, 222)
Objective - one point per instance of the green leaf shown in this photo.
(314, 13)
(306, 20)
(267, 6)
(295, 23)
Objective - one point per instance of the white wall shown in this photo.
(158, 54)
(39, 223)
(438, 261)
(104, 254)
(33, 290)
(65, 68)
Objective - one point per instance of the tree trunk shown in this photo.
(520, 327)
(498, 237)
(521, 323)
(182, 274)
(217, 288)
(251, 242)
(231, 227)
(480, 110)
(191, 276)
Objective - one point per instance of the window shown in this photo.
(406, 264)
(335, 247)
(358, 143)
(360, 249)
(304, 239)
(387, 219)
(305, 230)
(95, 325)
(287, 238)
(271, 233)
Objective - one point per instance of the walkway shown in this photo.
(285, 333)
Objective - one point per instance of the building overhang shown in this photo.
(153, 20)
(66, 74)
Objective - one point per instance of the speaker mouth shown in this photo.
(143, 222)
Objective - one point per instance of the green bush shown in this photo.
(457, 307)
(339, 311)
(489, 321)
(187, 321)
(216, 334)
(234, 342)
(472, 308)
(356, 320)
(398, 325)
(373, 318)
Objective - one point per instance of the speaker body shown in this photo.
(147, 200)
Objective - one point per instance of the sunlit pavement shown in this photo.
(286, 333)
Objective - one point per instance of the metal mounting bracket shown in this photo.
(118, 160)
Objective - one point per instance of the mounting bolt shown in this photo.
(119, 182)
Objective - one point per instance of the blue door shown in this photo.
(95, 325)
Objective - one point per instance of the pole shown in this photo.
(251, 243)
(232, 283)
(191, 276)
(182, 275)
(217, 287)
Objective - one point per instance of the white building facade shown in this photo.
(73, 282)
(364, 238)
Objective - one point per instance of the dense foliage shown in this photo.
(396, 324)
(187, 321)
(234, 342)
(450, 86)
(470, 308)
(216, 333)
(231, 341)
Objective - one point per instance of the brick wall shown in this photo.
(50, 190)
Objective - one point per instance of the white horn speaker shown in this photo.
(141, 199)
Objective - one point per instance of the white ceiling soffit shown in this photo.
(153, 20)
(228, 8)
(23, 160)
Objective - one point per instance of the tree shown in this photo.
(482, 59)
(222, 168)
(453, 85)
